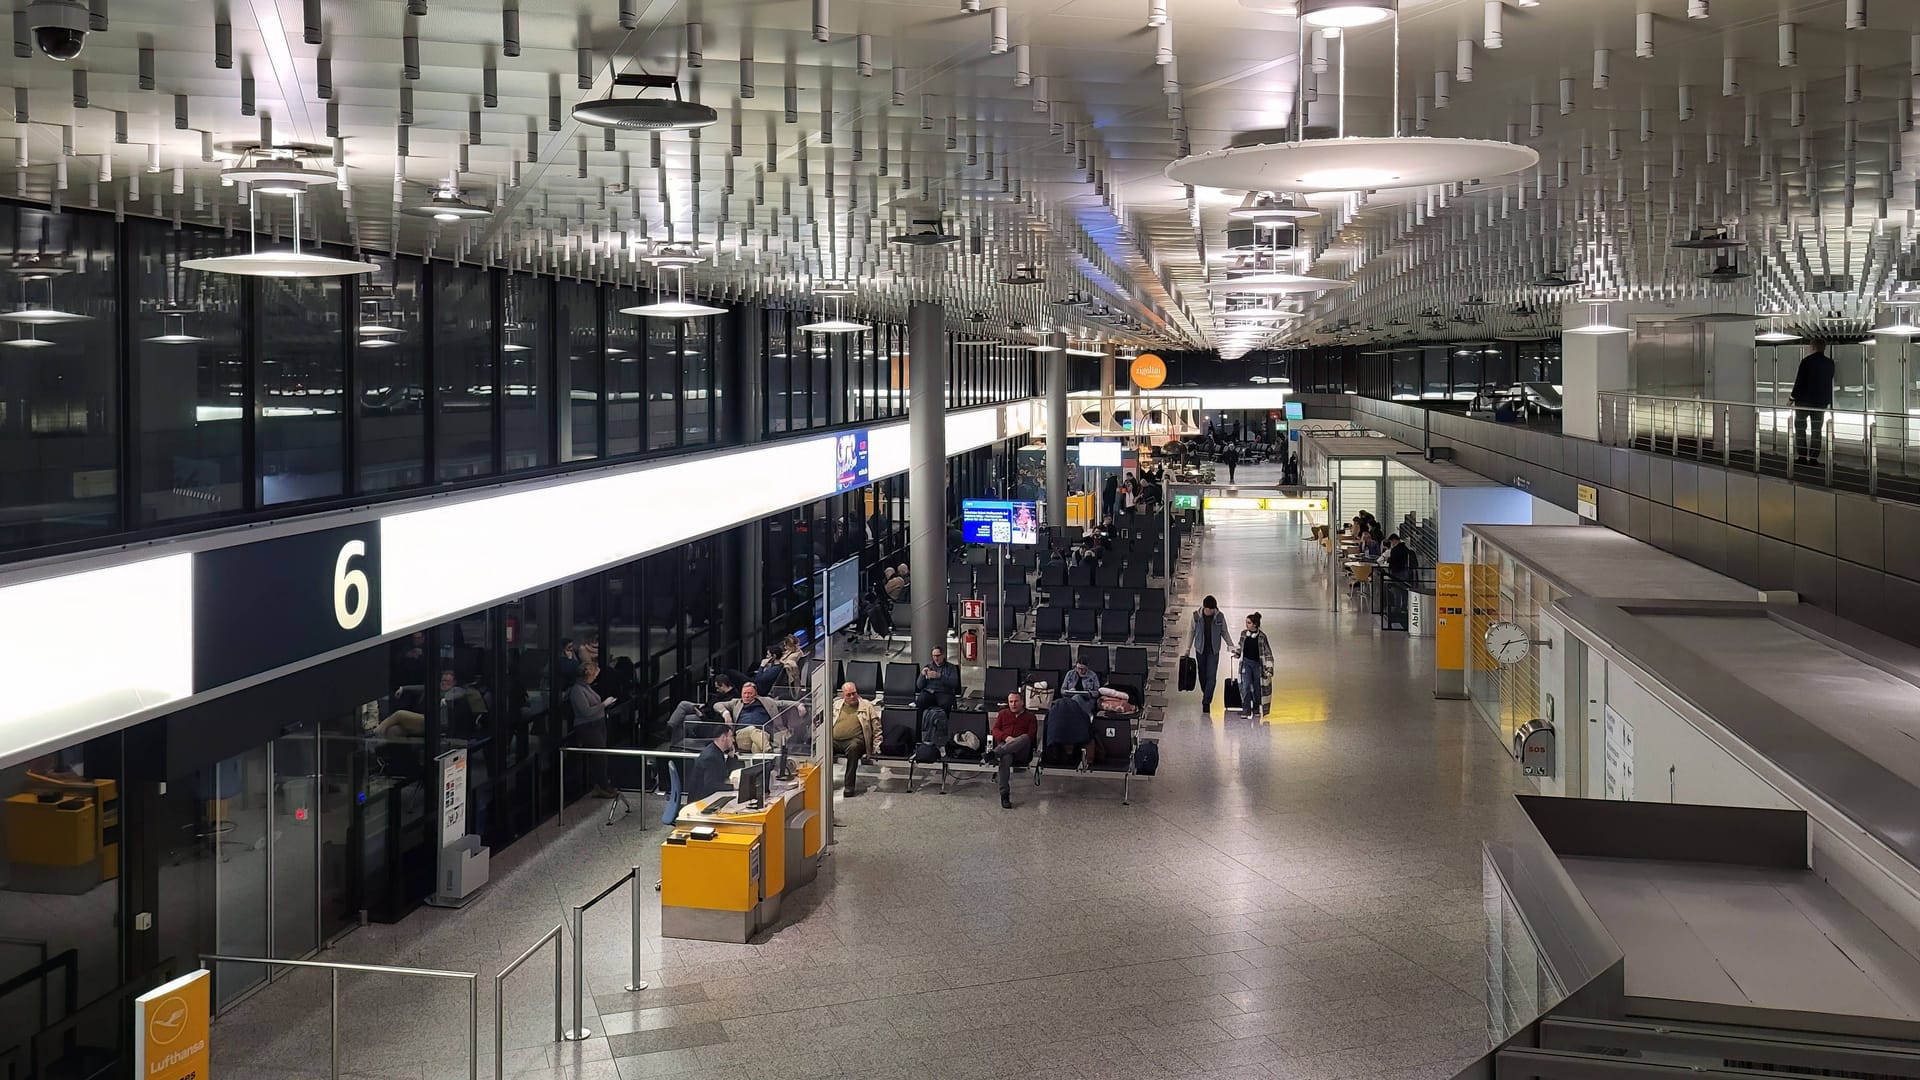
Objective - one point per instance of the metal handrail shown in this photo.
(557, 935)
(640, 802)
(580, 1030)
(333, 971)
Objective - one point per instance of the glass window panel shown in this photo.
(526, 360)
(819, 388)
(720, 357)
(59, 413)
(188, 394)
(577, 313)
(663, 383)
(390, 379)
(300, 390)
(696, 370)
(775, 344)
(623, 372)
(464, 371)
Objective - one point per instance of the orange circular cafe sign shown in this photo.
(1148, 371)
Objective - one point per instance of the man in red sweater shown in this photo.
(1010, 742)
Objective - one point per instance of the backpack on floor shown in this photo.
(1146, 757)
(933, 735)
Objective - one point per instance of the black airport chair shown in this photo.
(1095, 657)
(1053, 575)
(1150, 629)
(1114, 625)
(1135, 575)
(899, 731)
(1049, 624)
(897, 683)
(1001, 681)
(1017, 655)
(1130, 661)
(863, 674)
(1083, 624)
(1018, 596)
(1054, 659)
(1108, 575)
(1080, 574)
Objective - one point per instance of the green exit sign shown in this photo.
(1186, 502)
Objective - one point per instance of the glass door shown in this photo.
(295, 844)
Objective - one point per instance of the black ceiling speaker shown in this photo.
(645, 113)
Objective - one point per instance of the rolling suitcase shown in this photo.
(1189, 673)
(1233, 694)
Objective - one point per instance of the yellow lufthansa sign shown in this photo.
(1148, 371)
(1450, 621)
(171, 1023)
(1245, 502)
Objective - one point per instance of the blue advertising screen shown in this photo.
(988, 521)
(1296, 411)
(850, 456)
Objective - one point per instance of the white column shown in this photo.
(1590, 363)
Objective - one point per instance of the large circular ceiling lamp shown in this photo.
(677, 308)
(176, 333)
(1344, 14)
(1597, 323)
(835, 325)
(1276, 284)
(1346, 163)
(30, 314)
(293, 263)
(447, 205)
(1264, 208)
(643, 113)
(1352, 164)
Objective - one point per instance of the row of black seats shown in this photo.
(1090, 624)
(1111, 749)
(1104, 599)
(1042, 656)
(1131, 573)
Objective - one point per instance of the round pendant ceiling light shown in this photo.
(293, 263)
(646, 114)
(677, 308)
(1343, 14)
(34, 316)
(1276, 284)
(1351, 164)
(447, 205)
(177, 335)
(1774, 337)
(28, 342)
(673, 255)
(280, 264)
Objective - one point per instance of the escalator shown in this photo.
(1735, 1043)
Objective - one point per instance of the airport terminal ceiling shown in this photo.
(1037, 134)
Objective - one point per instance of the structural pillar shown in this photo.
(1589, 364)
(1057, 432)
(927, 474)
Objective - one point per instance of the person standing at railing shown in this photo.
(1811, 397)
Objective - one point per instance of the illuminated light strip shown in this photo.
(1275, 505)
(56, 693)
(141, 612)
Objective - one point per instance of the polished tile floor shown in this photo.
(1293, 899)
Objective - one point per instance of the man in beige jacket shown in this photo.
(856, 731)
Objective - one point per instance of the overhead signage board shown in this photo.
(851, 460)
(1099, 454)
(274, 602)
(1296, 411)
(1272, 504)
(988, 521)
(171, 1023)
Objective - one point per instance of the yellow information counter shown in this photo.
(723, 872)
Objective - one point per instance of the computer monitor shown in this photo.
(753, 784)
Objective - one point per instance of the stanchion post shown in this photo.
(333, 1023)
(473, 1028)
(634, 983)
(560, 811)
(579, 1030)
(559, 986)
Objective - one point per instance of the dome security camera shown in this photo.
(59, 27)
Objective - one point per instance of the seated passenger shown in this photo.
(896, 584)
(753, 712)
(937, 684)
(724, 691)
(1369, 547)
(1069, 729)
(1081, 683)
(711, 769)
(856, 732)
(768, 674)
(1010, 742)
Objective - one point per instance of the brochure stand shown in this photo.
(463, 861)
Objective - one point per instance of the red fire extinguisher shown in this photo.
(970, 646)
